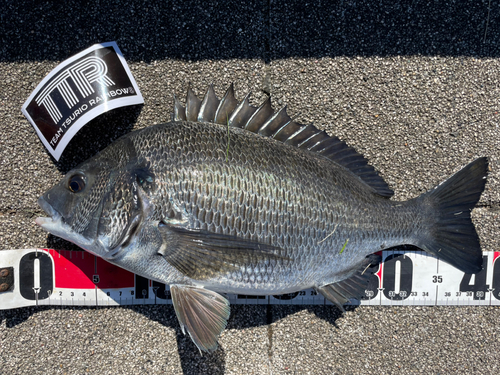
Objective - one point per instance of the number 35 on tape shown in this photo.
(64, 278)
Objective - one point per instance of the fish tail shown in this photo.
(452, 236)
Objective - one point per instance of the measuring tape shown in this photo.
(39, 277)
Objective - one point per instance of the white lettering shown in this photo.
(74, 115)
(56, 137)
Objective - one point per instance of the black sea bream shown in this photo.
(229, 198)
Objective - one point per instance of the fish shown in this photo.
(231, 198)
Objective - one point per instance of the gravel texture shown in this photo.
(414, 87)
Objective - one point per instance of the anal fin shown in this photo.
(202, 313)
(354, 286)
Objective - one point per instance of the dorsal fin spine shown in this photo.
(242, 113)
(226, 106)
(301, 144)
(208, 106)
(294, 136)
(179, 110)
(192, 105)
(266, 128)
(290, 127)
(276, 133)
(265, 110)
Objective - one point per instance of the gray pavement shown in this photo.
(413, 87)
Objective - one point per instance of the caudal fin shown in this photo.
(453, 237)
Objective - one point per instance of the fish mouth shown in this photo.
(55, 225)
(54, 219)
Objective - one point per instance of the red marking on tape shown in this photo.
(111, 276)
(496, 254)
(79, 269)
(73, 269)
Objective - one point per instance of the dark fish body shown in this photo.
(234, 199)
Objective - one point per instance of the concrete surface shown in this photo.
(413, 86)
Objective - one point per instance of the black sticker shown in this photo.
(78, 90)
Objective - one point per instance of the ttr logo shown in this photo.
(89, 70)
(78, 90)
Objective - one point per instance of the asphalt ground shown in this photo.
(414, 86)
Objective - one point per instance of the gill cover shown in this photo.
(125, 207)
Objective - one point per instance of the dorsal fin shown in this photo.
(279, 126)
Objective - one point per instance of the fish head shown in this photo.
(101, 204)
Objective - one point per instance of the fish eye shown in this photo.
(76, 183)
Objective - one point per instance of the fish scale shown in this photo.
(230, 198)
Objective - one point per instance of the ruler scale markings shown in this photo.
(404, 279)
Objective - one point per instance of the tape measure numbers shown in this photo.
(65, 278)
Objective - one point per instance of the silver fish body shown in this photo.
(234, 199)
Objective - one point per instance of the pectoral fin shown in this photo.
(200, 254)
(202, 313)
(353, 287)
